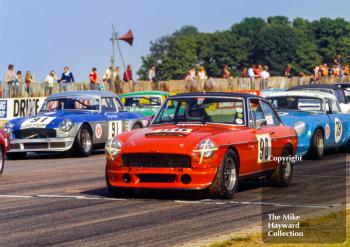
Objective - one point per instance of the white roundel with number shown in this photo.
(264, 147)
(338, 129)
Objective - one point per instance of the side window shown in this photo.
(270, 115)
(256, 112)
(119, 105)
(334, 106)
(108, 105)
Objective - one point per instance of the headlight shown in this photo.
(66, 125)
(8, 127)
(206, 148)
(300, 127)
(113, 147)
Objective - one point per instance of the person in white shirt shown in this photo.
(152, 74)
(265, 75)
(251, 72)
(50, 79)
(108, 77)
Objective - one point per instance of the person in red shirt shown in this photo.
(257, 71)
(93, 79)
(128, 74)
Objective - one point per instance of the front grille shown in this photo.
(156, 160)
(34, 133)
(157, 178)
(57, 145)
(15, 146)
(35, 145)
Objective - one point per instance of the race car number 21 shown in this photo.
(264, 147)
(114, 128)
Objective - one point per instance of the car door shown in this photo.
(263, 133)
(112, 119)
(336, 130)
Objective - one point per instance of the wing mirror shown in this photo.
(260, 123)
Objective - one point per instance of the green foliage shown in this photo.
(275, 42)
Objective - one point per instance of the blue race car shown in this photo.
(79, 120)
(316, 117)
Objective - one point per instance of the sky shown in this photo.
(44, 35)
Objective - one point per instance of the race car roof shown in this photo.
(327, 86)
(215, 94)
(303, 93)
(84, 93)
(161, 93)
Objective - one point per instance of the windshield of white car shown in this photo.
(142, 101)
(202, 110)
(71, 103)
(299, 103)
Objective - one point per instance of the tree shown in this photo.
(276, 47)
(275, 42)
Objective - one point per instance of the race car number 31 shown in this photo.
(264, 147)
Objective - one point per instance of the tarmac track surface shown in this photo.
(48, 199)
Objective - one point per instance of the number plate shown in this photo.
(36, 122)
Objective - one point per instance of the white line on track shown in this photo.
(204, 201)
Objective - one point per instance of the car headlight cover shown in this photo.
(8, 127)
(113, 147)
(300, 127)
(66, 125)
(206, 148)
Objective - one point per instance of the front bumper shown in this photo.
(41, 145)
(161, 178)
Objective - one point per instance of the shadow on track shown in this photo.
(58, 155)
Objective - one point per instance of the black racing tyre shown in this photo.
(118, 191)
(16, 155)
(2, 160)
(316, 149)
(137, 126)
(83, 141)
(225, 183)
(282, 175)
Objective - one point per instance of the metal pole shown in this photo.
(121, 55)
(113, 46)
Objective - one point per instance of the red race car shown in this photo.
(4, 147)
(203, 141)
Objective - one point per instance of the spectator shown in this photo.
(339, 63)
(128, 74)
(9, 81)
(265, 75)
(50, 79)
(192, 74)
(202, 75)
(346, 70)
(93, 79)
(257, 71)
(152, 74)
(244, 72)
(18, 89)
(29, 80)
(108, 77)
(251, 71)
(225, 72)
(288, 71)
(324, 70)
(66, 78)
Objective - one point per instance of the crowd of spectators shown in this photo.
(14, 85)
